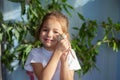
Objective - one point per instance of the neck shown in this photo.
(49, 48)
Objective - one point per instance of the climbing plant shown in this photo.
(22, 33)
(86, 43)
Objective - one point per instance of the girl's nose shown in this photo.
(49, 33)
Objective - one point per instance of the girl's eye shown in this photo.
(45, 30)
(56, 32)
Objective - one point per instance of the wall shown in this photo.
(107, 60)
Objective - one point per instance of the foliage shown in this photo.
(87, 47)
(22, 33)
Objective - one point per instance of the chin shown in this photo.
(50, 45)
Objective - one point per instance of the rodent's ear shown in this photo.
(60, 37)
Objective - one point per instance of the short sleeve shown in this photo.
(73, 62)
(33, 57)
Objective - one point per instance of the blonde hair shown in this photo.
(62, 19)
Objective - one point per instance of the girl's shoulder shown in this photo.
(73, 61)
(73, 51)
(36, 51)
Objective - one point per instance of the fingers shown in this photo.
(63, 43)
(62, 39)
(65, 54)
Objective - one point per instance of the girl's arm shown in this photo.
(65, 73)
(47, 72)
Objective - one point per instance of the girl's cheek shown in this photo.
(42, 34)
(41, 37)
(56, 36)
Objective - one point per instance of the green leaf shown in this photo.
(105, 38)
(28, 49)
(64, 6)
(20, 47)
(23, 8)
(99, 43)
(81, 17)
(109, 20)
(4, 27)
(64, 0)
(69, 6)
(115, 48)
(9, 29)
(34, 13)
(16, 33)
(19, 29)
(1, 36)
(75, 28)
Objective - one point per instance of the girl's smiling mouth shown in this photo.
(48, 40)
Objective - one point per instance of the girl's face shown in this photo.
(50, 30)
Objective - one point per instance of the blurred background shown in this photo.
(107, 61)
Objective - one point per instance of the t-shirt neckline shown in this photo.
(47, 52)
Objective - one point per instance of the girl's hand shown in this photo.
(63, 44)
(67, 48)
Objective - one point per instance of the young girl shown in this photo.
(55, 60)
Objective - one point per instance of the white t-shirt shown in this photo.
(41, 55)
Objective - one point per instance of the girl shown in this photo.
(55, 60)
